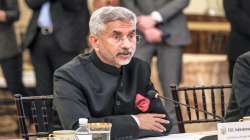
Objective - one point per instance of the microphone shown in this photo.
(153, 94)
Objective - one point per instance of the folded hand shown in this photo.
(152, 121)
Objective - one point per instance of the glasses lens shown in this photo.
(138, 38)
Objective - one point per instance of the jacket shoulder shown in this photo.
(243, 60)
(79, 62)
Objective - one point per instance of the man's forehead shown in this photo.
(122, 32)
(120, 27)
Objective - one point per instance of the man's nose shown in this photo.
(126, 43)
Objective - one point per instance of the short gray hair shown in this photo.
(107, 14)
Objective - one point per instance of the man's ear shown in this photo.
(94, 42)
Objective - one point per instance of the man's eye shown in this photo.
(116, 37)
(131, 36)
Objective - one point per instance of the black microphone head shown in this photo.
(151, 94)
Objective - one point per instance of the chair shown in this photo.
(40, 114)
(207, 98)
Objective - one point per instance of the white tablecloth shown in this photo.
(183, 136)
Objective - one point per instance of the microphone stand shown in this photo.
(197, 109)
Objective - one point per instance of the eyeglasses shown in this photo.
(133, 38)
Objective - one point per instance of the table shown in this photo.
(183, 136)
(209, 26)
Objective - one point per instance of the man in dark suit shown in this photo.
(164, 27)
(109, 84)
(239, 105)
(57, 32)
(238, 14)
(10, 54)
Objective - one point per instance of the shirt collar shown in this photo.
(104, 67)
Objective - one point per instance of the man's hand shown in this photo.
(145, 22)
(153, 35)
(2, 16)
(152, 121)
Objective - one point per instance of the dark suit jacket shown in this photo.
(70, 23)
(239, 105)
(174, 22)
(8, 44)
(238, 14)
(86, 87)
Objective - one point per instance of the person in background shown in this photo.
(10, 53)
(56, 33)
(164, 28)
(239, 105)
(238, 14)
(109, 85)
